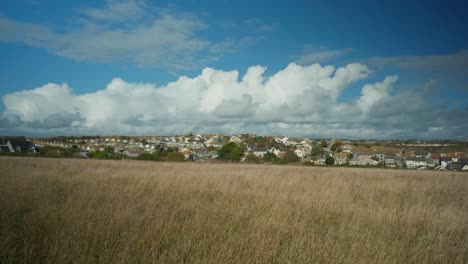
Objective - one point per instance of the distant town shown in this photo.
(249, 148)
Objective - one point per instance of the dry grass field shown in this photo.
(90, 211)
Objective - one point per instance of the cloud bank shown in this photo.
(298, 100)
(131, 31)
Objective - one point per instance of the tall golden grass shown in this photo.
(88, 211)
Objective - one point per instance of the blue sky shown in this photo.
(88, 46)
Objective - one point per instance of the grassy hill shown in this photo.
(86, 211)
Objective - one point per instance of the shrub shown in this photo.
(329, 161)
(175, 156)
(145, 156)
(157, 156)
(270, 157)
(290, 157)
(251, 158)
(336, 146)
(231, 151)
(109, 149)
(98, 155)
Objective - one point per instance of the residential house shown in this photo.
(445, 161)
(420, 153)
(281, 154)
(392, 161)
(341, 158)
(18, 146)
(206, 154)
(214, 141)
(290, 143)
(363, 162)
(307, 144)
(301, 153)
(276, 151)
(361, 152)
(380, 156)
(134, 152)
(259, 152)
(235, 139)
(187, 153)
(90, 148)
(281, 139)
(464, 165)
(346, 148)
(319, 161)
(414, 162)
(4, 147)
(461, 164)
(432, 162)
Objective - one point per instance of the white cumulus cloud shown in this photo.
(298, 100)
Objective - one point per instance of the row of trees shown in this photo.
(163, 154)
(231, 151)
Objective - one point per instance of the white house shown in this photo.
(445, 161)
(319, 161)
(259, 152)
(235, 139)
(281, 140)
(300, 153)
(275, 151)
(290, 143)
(415, 162)
(307, 144)
(364, 162)
(211, 141)
(89, 148)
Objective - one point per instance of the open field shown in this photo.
(86, 211)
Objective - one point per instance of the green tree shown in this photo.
(98, 155)
(251, 158)
(210, 148)
(279, 162)
(50, 151)
(230, 151)
(269, 157)
(290, 157)
(329, 161)
(157, 155)
(163, 153)
(145, 156)
(175, 156)
(109, 149)
(316, 151)
(336, 146)
(323, 144)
